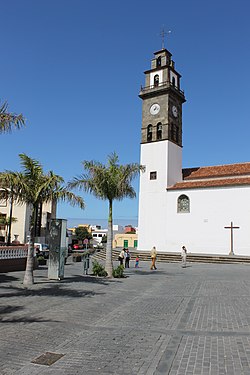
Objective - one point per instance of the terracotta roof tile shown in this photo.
(210, 183)
(216, 171)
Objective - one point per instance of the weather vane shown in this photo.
(164, 33)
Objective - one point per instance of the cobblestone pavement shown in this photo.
(175, 321)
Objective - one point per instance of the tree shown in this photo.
(104, 239)
(8, 120)
(82, 233)
(7, 222)
(108, 182)
(7, 184)
(33, 187)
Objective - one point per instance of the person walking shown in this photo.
(127, 258)
(153, 255)
(183, 256)
(121, 257)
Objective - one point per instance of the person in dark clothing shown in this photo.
(127, 258)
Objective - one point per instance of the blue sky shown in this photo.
(74, 69)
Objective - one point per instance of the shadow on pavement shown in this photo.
(85, 279)
(53, 290)
(137, 271)
(9, 309)
(5, 312)
(4, 278)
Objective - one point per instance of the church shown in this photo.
(207, 209)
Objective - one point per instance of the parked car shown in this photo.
(42, 249)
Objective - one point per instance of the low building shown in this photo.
(125, 240)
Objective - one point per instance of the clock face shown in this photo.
(154, 109)
(174, 111)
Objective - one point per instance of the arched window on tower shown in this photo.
(159, 61)
(156, 80)
(159, 131)
(149, 132)
(173, 81)
(183, 204)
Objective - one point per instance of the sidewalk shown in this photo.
(175, 321)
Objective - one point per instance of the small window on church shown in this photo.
(159, 61)
(153, 175)
(159, 131)
(156, 80)
(149, 133)
(183, 204)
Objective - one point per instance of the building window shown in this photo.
(149, 133)
(159, 61)
(3, 219)
(153, 175)
(183, 204)
(3, 198)
(159, 131)
(173, 81)
(156, 80)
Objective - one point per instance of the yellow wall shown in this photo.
(120, 237)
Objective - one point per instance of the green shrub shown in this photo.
(118, 271)
(40, 257)
(98, 269)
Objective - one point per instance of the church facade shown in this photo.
(207, 209)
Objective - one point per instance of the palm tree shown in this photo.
(8, 120)
(7, 184)
(108, 182)
(33, 187)
(7, 222)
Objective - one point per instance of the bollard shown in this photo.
(85, 264)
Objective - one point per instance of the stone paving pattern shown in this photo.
(175, 321)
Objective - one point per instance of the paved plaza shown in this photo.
(171, 321)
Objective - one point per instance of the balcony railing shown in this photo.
(162, 85)
(9, 252)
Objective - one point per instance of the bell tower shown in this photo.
(162, 101)
(161, 143)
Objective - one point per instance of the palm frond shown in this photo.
(8, 120)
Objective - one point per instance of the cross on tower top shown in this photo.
(164, 33)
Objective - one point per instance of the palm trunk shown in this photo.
(109, 263)
(10, 221)
(28, 276)
(53, 208)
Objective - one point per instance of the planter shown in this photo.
(42, 262)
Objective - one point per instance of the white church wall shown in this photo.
(202, 230)
(174, 168)
(152, 195)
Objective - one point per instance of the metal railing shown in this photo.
(162, 85)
